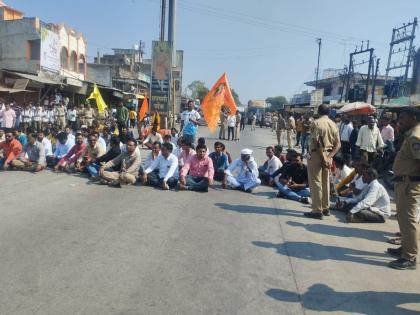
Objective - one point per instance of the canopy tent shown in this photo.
(357, 108)
(11, 90)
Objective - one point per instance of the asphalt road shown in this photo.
(68, 247)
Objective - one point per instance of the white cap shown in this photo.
(246, 151)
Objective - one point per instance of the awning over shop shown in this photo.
(35, 78)
(11, 90)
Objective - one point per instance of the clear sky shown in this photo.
(267, 47)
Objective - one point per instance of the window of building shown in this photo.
(34, 49)
(73, 61)
(81, 64)
(64, 58)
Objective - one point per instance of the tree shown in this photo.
(277, 102)
(198, 90)
(236, 97)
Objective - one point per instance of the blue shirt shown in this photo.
(61, 150)
(220, 161)
(23, 139)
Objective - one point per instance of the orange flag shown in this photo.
(143, 109)
(220, 95)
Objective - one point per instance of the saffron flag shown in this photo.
(96, 95)
(143, 109)
(219, 96)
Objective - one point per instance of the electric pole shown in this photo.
(162, 20)
(319, 41)
(374, 82)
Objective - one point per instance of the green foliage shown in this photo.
(236, 97)
(277, 102)
(198, 90)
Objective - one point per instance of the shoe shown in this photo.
(326, 212)
(115, 184)
(403, 264)
(249, 190)
(398, 234)
(95, 179)
(101, 182)
(396, 252)
(304, 200)
(395, 241)
(314, 215)
(280, 195)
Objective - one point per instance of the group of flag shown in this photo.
(218, 97)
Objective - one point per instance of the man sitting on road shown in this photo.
(153, 137)
(168, 174)
(32, 157)
(60, 151)
(220, 161)
(151, 156)
(129, 163)
(92, 151)
(11, 148)
(187, 152)
(167, 139)
(197, 173)
(372, 204)
(113, 152)
(270, 166)
(242, 174)
(68, 162)
(293, 182)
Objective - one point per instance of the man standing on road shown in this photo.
(9, 117)
(190, 118)
(345, 129)
(253, 121)
(407, 190)
(238, 125)
(122, 116)
(281, 125)
(290, 126)
(223, 124)
(324, 143)
(369, 140)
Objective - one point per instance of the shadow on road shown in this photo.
(342, 231)
(317, 252)
(322, 298)
(259, 210)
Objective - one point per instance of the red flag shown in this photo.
(220, 95)
(143, 109)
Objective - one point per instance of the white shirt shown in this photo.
(341, 174)
(71, 115)
(47, 146)
(149, 160)
(231, 121)
(345, 131)
(102, 143)
(27, 115)
(358, 182)
(273, 165)
(153, 138)
(373, 197)
(167, 167)
(244, 171)
(38, 113)
(186, 116)
(369, 140)
(71, 140)
(174, 139)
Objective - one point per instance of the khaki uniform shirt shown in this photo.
(407, 161)
(291, 123)
(324, 133)
(60, 112)
(129, 163)
(89, 113)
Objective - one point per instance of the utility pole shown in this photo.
(172, 29)
(374, 82)
(162, 20)
(319, 41)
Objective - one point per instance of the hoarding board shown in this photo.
(161, 76)
(50, 50)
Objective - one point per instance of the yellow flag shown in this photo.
(96, 95)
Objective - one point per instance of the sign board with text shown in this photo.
(50, 50)
(161, 76)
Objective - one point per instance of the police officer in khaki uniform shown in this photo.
(281, 125)
(407, 190)
(291, 125)
(324, 143)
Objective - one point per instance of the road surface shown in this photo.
(69, 247)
